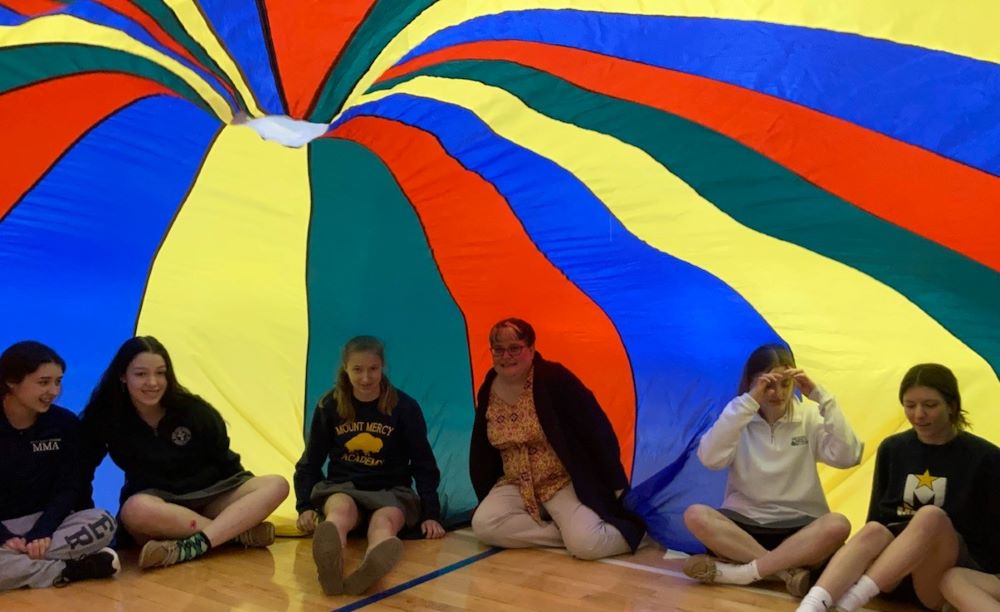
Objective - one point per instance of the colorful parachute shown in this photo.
(658, 186)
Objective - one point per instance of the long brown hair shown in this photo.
(110, 397)
(343, 392)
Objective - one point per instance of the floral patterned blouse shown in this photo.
(528, 459)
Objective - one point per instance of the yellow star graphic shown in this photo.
(926, 480)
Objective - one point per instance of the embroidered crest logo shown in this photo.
(181, 436)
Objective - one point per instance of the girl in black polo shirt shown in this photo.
(185, 491)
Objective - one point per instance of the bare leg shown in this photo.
(248, 505)
(971, 590)
(809, 546)
(341, 510)
(721, 535)
(846, 567)
(926, 549)
(384, 550)
(150, 518)
(340, 515)
(147, 517)
(384, 524)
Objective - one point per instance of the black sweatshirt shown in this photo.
(374, 452)
(188, 451)
(960, 477)
(41, 472)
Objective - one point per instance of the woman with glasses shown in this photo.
(544, 459)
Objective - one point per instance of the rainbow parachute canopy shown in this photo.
(659, 187)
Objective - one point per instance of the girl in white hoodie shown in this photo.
(774, 520)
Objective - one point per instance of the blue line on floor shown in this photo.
(416, 581)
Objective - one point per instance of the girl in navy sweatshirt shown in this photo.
(375, 439)
(49, 534)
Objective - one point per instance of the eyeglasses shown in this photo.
(513, 350)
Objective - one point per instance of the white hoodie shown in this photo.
(772, 475)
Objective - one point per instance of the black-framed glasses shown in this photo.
(513, 350)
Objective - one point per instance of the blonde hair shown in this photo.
(343, 392)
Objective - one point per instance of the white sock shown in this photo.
(816, 600)
(859, 594)
(731, 573)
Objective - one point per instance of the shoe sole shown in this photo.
(328, 555)
(700, 568)
(376, 564)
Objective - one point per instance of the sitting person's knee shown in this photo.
(138, 509)
(875, 533)
(837, 526)
(586, 548)
(278, 485)
(482, 523)
(931, 517)
(697, 517)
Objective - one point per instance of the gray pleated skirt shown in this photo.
(404, 498)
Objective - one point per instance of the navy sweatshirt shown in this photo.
(960, 477)
(374, 452)
(187, 451)
(41, 472)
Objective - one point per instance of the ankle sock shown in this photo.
(193, 546)
(858, 595)
(732, 573)
(816, 600)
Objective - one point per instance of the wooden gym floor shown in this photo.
(454, 573)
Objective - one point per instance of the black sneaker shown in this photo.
(102, 564)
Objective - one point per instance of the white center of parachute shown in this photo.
(283, 129)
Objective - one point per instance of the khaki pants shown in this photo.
(501, 520)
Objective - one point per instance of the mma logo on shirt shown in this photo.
(41, 446)
(181, 436)
(922, 490)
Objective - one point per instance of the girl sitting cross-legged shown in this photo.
(185, 490)
(933, 506)
(774, 520)
(49, 533)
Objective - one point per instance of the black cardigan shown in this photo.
(580, 435)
